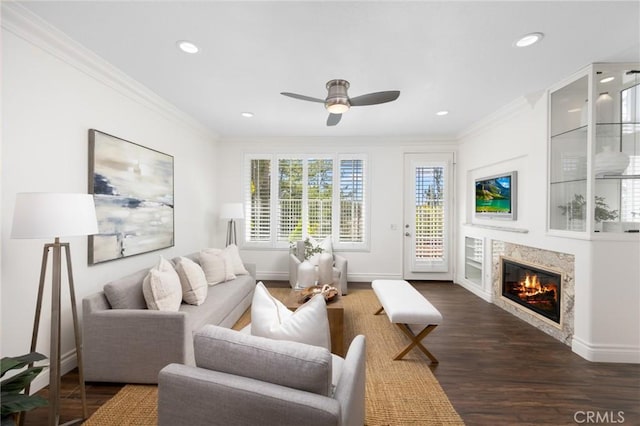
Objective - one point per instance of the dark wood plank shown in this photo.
(495, 369)
(70, 402)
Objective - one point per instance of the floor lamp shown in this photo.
(55, 215)
(232, 211)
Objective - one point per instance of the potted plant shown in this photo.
(13, 400)
(574, 209)
(309, 248)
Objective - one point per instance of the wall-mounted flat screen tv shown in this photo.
(496, 196)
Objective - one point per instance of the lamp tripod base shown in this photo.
(54, 356)
(231, 233)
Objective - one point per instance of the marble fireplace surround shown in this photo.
(544, 259)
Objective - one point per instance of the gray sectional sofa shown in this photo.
(125, 342)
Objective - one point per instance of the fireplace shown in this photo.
(533, 288)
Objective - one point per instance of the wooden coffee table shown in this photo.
(335, 313)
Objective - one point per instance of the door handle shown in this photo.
(406, 234)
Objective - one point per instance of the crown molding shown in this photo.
(30, 27)
(499, 116)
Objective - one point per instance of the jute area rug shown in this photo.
(397, 392)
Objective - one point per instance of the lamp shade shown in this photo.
(46, 215)
(232, 211)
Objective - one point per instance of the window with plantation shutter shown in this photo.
(289, 209)
(297, 196)
(258, 198)
(352, 207)
(319, 197)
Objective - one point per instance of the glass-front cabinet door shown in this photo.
(568, 158)
(594, 151)
(617, 150)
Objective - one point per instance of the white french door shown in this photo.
(428, 216)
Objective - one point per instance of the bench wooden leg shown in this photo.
(379, 310)
(416, 340)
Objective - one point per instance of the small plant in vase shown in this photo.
(309, 248)
(575, 209)
(306, 270)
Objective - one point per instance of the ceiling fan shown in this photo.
(338, 102)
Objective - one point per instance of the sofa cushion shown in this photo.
(126, 292)
(217, 267)
(192, 280)
(219, 302)
(231, 251)
(308, 324)
(303, 367)
(161, 287)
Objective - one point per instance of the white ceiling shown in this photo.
(455, 56)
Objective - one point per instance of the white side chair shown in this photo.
(338, 268)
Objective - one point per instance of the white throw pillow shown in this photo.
(308, 324)
(236, 261)
(216, 266)
(161, 287)
(326, 245)
(193, 281)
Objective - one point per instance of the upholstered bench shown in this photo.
(409, 310)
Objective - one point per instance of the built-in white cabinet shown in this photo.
(594, 151)
(473, 256)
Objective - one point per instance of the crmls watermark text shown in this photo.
(598, 417)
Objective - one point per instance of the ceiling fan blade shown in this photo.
(333, 119)
(302, 97)
(375, 98)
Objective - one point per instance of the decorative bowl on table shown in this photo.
(330, 293)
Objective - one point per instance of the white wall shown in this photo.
(607, 298)
(385, 166)
(50, 100)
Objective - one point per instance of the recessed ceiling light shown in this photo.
(607, 79)
(528, 40)
(442, 112)
(574, 110)
(247, 114)
(187, 46)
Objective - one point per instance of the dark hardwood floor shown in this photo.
(495, 369)
(498, 370)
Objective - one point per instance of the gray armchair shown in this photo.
(339, 268)
(242, 379)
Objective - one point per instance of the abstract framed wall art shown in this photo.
(132, 187)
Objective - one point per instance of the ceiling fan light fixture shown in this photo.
(337, 106)
(337, 100)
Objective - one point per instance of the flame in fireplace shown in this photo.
(531, 287)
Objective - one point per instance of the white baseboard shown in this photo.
(68, 362)
(363, 277)
(473, 288)
(606, 353)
